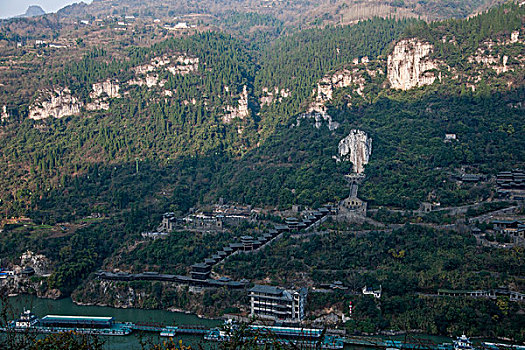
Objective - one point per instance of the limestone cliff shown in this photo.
(111, 89)
(353, 77)
(150, 74)
(18, 283)
(4, 115)
(276, 95)
(320, 115)
(184, 65)
(410, 65)
(150, 80)
(241, 111)
(356, 148)
(59, 103)
(491, 54)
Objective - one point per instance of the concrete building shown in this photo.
(277, 303)
(353, 204)
(512, 228)
(168, 222)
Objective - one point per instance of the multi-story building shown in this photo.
(277, 303)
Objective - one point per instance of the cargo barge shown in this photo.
(305, 338)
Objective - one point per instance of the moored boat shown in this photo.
(28, 322)
(463, 343)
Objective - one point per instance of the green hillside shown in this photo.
(203, 127)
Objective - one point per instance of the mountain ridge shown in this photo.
(33, 11)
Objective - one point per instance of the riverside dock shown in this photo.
(292, 336)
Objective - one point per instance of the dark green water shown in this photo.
(42, 307)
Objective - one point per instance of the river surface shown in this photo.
(42, 307)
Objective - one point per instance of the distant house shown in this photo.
(511, 179)
(154, 235)
(427, 207)
(471, 177)
(512, 228)
(376, 292)
(57, 46)
(450, 137)
(28, 271)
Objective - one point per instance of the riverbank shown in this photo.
(208, 303)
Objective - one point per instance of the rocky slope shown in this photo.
(56, 104)
(356, 148)
(409, 65)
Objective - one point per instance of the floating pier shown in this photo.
(293, 336)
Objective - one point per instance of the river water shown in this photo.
(42, 307)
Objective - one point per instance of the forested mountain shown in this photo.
(127, 119)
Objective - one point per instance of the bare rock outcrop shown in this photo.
(97, 105)
(340, 79)
(498, 63)
(356, 148)
(320, 115)
(410, 65)
(4, 115)
(38, 262)
(184, 65)
(111, 89)
(354, 77)
(150, 74)
(150, 80)
(241, 111)
(276, 95)
(57, 104)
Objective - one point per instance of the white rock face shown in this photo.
(514, 36)
(97, 105)
(356, 148)
(241, 111)
(344, 78)
(273, 95)
(184, 65)
(498, 63)
(108, 87)
(60, 103)
(409, 64)
(4, 115)
(325, 91)
(319, 114)
(38, 262)
(150, 80)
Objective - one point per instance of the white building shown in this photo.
(276, 303)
